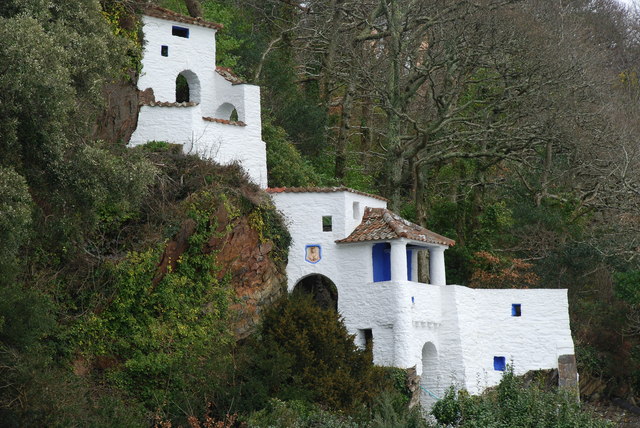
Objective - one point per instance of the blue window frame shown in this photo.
(499, 364)
(516, 310)
(409, 265)
(180, 31)
(381, 254)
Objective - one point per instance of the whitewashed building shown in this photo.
(345, 243)
(187, 100)
(452, 335)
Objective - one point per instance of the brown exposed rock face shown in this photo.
(120, 115)
(255, 277)
(257, 280)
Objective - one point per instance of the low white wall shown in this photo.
(220, 142)
(531, 341)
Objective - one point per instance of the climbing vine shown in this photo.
(153, 327)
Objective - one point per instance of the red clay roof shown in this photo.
(169, 15)
(168, 104)
(380, 224)
(229, 75)
(321, 190)
(225, 121)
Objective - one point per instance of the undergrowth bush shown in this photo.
(511, 404)
(305, 353)
(160, 335)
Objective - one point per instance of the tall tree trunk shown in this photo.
(343, 132)
(328, 60)
(194, 7)
(546, 172)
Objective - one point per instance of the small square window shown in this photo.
(164, 50)
(499, 363)
(516, 310)
(326, 223)
(180, 31)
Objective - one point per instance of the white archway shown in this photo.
(322, 289)
(430, 382)
(190, 93)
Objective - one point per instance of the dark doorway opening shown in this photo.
(321, 289)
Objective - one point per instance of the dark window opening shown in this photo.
(499, 364)
(326, 223)
(516, 310)
(180, 31)
(164, 50)
(234, 116)
(381, 254)
(367, 335)
(182, 89)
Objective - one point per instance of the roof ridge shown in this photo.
(388, 217)
(156, 11)
(382, 224)
(326, 189)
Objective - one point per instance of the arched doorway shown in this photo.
(322, 290)
(187, 87)
(430, 385)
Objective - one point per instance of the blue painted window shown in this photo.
(381, 254)
(164, 50)
(180, 31)
(499, 363)
(516, 310)
(409, 266)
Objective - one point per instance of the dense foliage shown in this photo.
(508, 126)
(511, 404)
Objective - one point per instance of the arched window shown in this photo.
(182, 89)
(227, 111)
(187, 87)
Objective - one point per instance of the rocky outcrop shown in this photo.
(257, 280)
(243, 257)
(119, 118)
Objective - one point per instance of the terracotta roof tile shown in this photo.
(229, 75)
(169, 15)
(380, 224)
(167, 104)
(321, 190)
(225, 121)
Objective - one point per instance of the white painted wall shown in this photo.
(223, 143)
(467, 327)
(303, 213)
(197, 53)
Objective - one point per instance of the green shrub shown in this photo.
(163, 337)
(298, 414)
(15, 220)
(511, 404)
(305, 353)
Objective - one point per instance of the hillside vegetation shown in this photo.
(509, 127)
